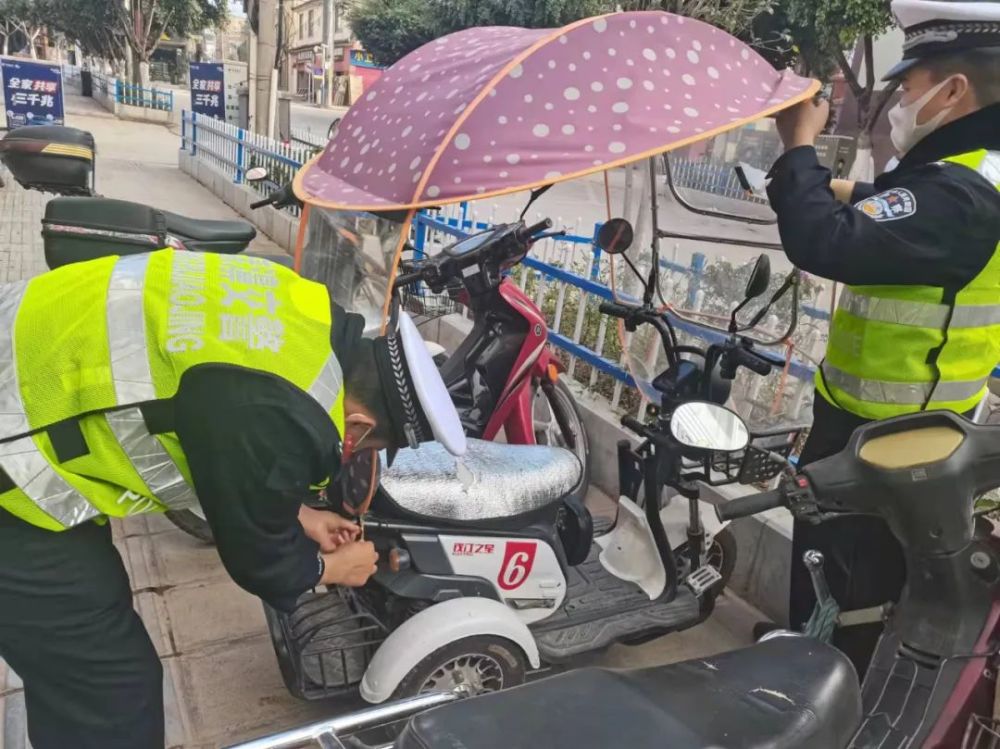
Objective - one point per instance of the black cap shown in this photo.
(942, 27)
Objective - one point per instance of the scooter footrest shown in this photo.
(601, 610)
(557, 645)
(703, 579)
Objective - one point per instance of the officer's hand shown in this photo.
(351, 564)
(328, 529)
(801, 125)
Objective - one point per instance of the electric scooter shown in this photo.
(932, 682)
(489, 572)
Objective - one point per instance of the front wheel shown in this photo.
(193, 523)
(557, 422)
(476, 665)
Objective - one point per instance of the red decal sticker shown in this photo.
(518, 559)
(461, 549)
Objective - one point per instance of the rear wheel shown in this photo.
(193, 523)
(479, 665)
(554, 413)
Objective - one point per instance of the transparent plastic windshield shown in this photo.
(702, 279)
(353, 254)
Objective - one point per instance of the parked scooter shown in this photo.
(490, 572)
(933, 677)
(60, 160)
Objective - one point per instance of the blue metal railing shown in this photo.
(148, 98)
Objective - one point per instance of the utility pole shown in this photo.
(266, 78)
(329, 24)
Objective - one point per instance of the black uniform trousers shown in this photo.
(864, 561)
(92, 679)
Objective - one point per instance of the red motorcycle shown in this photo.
(503, 375)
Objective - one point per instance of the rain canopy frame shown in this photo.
(490, 111)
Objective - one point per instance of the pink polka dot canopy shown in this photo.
(493, 110)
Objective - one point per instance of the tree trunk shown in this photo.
(6, 44)
(144, 73)
(863, 168)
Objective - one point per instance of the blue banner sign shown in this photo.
(208, 89)
(32, 92)
(362, 58)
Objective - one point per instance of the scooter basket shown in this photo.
(325, 645)
(420, 301)
(982, 733)
(755, 465)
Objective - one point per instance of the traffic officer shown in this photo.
(155, 381)
(918, 321)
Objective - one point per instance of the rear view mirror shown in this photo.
(760, 277)
(708, 426)
(256, 174)
(615, 236)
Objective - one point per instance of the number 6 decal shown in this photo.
(518, 559)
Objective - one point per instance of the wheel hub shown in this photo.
(475, 674)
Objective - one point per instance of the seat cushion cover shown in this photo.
(785, 693)
(491, 481)
(208, 230)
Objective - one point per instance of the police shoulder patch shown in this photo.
(890, 205)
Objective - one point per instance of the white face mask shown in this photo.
(906, 133)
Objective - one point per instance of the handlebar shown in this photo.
(752, 504)
(280, 198)
(525, 234)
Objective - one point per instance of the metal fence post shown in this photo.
(421, 238)
(183, 130)
(194, 133)
(697, 269)
(240, 155)
(595, 267)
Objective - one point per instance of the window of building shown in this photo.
(311, 20)
(302, 26)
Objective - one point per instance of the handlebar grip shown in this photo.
(260, 204)
(752, 361)
(750, 505)
(613, 310)
(529, 231)
(407, 278)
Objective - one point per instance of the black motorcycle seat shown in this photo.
(492, 485)
(784, 693)
(208, 230)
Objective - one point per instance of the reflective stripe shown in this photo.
(33, 475)
(13, 419)
(150, 460)
(326, 387)
(990, 168)
(130, 371)
(901, 393)
(21, 459)
(917, 314)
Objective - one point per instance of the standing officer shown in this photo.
(151, 382)
(918, 322)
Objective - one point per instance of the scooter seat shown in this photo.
(784, 693)
(232, 234)
(492, 484)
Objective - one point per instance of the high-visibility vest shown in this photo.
(92, 353)
(896, 350)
